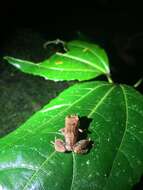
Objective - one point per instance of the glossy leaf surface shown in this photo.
(82, 61)
(115, 161)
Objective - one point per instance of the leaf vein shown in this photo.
(126, 124)
(135, 137)
(35, 174)
(101, 101)
(94, 53)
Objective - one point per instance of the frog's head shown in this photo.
(72, 120)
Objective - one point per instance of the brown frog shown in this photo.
(71, 134)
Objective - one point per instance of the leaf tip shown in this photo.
(8, 58)
(5, 57)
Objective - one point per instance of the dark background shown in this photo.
(24, 26)
(115, 25)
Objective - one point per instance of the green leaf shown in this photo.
(115, 161)
(82, 61)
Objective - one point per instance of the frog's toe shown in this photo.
(80, 151)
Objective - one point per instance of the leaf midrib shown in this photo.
(81, 60)
(73, 170)
(39, 65)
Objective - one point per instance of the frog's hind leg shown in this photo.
(59, 145)
(81, 147)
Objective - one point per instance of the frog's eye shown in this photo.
(74, 123)
(71, 123)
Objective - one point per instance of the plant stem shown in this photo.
(138, 83)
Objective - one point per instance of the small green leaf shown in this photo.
(115, 161)
(82, 61)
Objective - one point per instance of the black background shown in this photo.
(115, 25)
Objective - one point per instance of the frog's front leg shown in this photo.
(59, 145)
(62, 131)
(81, 147)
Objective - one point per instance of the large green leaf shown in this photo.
(82, 61)
(115, 161)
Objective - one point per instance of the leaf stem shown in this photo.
(109, 78)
